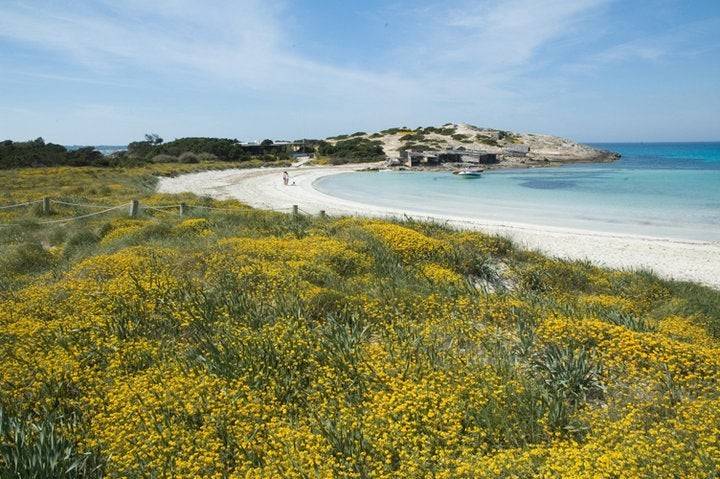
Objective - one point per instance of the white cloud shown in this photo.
(494, 37)
(244, 41)
(451, 61)
(681, 41)
(153, 39)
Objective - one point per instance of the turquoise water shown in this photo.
(655, 189)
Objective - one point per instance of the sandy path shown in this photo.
(263, 188)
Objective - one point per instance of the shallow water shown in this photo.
(657, 189)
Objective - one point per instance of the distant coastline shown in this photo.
(104, 149)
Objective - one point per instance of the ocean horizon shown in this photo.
(663, 189)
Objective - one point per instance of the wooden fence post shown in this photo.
(295, 210)
(45, 205)
(134, 208)
(183, 209)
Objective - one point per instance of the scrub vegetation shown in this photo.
(353, 150)
(152, 149)
(246, 343)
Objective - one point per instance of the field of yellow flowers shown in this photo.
(251, 344)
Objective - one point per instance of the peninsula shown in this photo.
(460, 144)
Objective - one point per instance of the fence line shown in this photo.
(159, 209)
(82, 205)
(134, 209)
(65, 220)
(18, 205)
(203, 207)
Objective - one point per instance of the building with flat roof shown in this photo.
(430, 157)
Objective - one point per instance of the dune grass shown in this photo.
(260, 344)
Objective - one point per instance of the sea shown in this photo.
(664, 190)
(104, 149)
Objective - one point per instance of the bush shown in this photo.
(188, 157)
(570, 377)
(439, 131)
(413, 137)
(486, 140)
(26, 258)
(163, 158)
(38, 450)
(205, 157)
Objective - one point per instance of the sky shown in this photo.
(109, 71)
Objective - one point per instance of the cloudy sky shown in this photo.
(108, 71)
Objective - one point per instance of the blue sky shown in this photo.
(108, 71)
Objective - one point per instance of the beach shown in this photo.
(688, 260)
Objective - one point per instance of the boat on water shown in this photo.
(470, 172)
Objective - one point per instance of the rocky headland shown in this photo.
(503, 149)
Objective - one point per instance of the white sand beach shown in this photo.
(697, 261)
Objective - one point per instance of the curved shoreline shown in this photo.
(689, 260)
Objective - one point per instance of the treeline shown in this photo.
(194, 149)
(353, 150)
(153, 149)
(38, 153)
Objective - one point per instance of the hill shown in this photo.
(509, 146)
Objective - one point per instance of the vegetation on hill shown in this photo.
(224, 149)
(203, 149)
(353, 150)
(258, 344)
(38, 153)
(151, 150)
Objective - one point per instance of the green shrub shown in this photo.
(32, 449)
(446, 131)
(163, 158)
(26, 258)
(630, 321)
(188, 157)
(486, 140)
(205, 156)
(413, 137)
(570, 377)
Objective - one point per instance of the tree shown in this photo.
(153, 138)
(266, 142)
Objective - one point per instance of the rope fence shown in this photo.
(18, 205)
(134, 209)
(82, 205)
(65, 220)
(158, 209)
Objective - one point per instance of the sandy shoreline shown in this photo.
(262, 188)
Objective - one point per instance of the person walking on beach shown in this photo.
(286, 178)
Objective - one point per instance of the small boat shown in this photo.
(470, 173)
